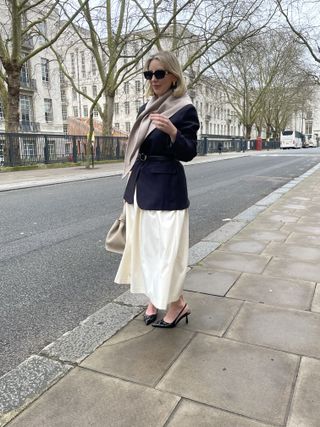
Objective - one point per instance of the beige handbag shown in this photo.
(116, 237)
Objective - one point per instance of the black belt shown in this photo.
(143, 157)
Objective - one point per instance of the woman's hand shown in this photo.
(164, 124)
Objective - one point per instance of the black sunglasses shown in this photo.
(159, 74)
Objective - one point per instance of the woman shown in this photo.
(155, 257)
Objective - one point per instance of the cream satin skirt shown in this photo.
(155, 258)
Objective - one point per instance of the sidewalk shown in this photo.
(40, 177)
(249, 357)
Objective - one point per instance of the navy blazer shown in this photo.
(160, 184)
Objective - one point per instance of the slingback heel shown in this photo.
(163, 324)
(150, 318)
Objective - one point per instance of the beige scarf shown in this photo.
(167, 105)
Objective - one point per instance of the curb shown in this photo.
(99, 175)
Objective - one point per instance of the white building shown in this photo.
(40, 103)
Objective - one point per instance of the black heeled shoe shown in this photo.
(150, 318)
(163, 324)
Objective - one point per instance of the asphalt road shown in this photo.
(54, 270)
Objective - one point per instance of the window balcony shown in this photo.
(28, 84)
(28, 43)
(26, 126)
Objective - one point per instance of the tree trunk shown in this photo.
(248, 131)
(108, 114)
(12, 153)
(108, 151)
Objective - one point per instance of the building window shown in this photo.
(29, 148)
(95, 112)
(42, 30)
(126, 87)
(117, 125)
(45, 70)
(116, 108)
(67, 149)
(52, 148)
(84, 90)
(85, 111)
(138, 86)
(128, 127)
(25, 109)
(48, 113)
(65, 129)
(64, 112)
(62, 77)
(75, 112)
(93, 66)
(94, 91)
(73, 65)
(137, 102)
(74, 94)
(24, 75)
(83, 64)
(1, 112)
(63, 96)
(309, 128)
(127, 107)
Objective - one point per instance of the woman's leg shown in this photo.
(176, 308)
(151, 309)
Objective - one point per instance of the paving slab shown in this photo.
(289, 250)
(284, 329)
(305, 409)
(302, 228)
(304, 239)
(235, 377)
(288, 268)
(85, 398)
(316, 300)
(278, 218)
(225, 232)
(239, 262)
(191, 414)
(128, 298)
(139, 353)
(296, 207)
(246, 246)
(200, 250)
(255, 234)
(312, 218)
(210, 314)
(263, 224)
(273, 291)
(209, 281)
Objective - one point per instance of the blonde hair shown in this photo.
(171, 64)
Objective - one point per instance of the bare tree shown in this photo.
(262, 80)
(194, 29)
(117, 38)
(303, 20)
(22, 25)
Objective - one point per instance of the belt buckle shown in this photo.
(142, 157)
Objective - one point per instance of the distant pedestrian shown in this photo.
(220, 147)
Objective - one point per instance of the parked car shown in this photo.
(311, 143)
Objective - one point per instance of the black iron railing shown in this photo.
(29, 148)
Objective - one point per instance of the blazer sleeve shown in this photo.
(184, 148)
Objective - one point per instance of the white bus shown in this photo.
(291, 139)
